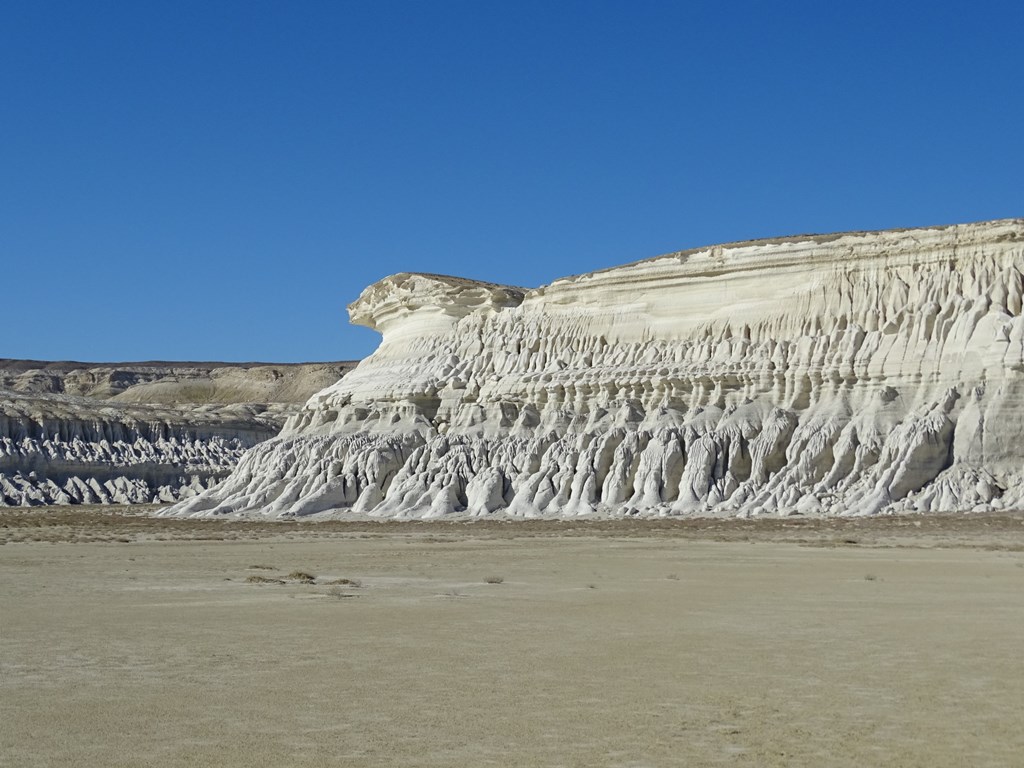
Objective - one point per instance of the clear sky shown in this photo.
(217, 180)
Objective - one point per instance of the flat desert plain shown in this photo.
(132, 641)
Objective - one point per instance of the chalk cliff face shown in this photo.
(845, 374)
(138, 432)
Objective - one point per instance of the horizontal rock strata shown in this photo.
(848, 374)
(172, 383)
(105, 444)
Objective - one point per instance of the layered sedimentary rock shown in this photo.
(847, 374)
(172, 383)
(138, 432)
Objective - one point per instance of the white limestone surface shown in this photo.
(59, 449)
(848, 374)
(125, 433)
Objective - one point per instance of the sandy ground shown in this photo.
(128, 641)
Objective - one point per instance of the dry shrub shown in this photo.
(262, 580)
(494, 579)
(346, 582)
(305, 578)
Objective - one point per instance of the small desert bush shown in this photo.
(262, 580)
(346, 582)
(494, 579)
(305, 578)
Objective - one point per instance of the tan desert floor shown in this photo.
(128, 641)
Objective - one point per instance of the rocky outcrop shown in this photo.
(102, 445)
(848, 374)
(172, 383)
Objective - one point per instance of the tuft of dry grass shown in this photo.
(346, 582)
(494, 579)
(262, 580)
(305, 578)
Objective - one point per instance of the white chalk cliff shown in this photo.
(126, 433)
(848, 374)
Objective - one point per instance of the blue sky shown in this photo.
(216, 180)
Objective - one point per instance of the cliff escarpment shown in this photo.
(850, 374)
(127, 433)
